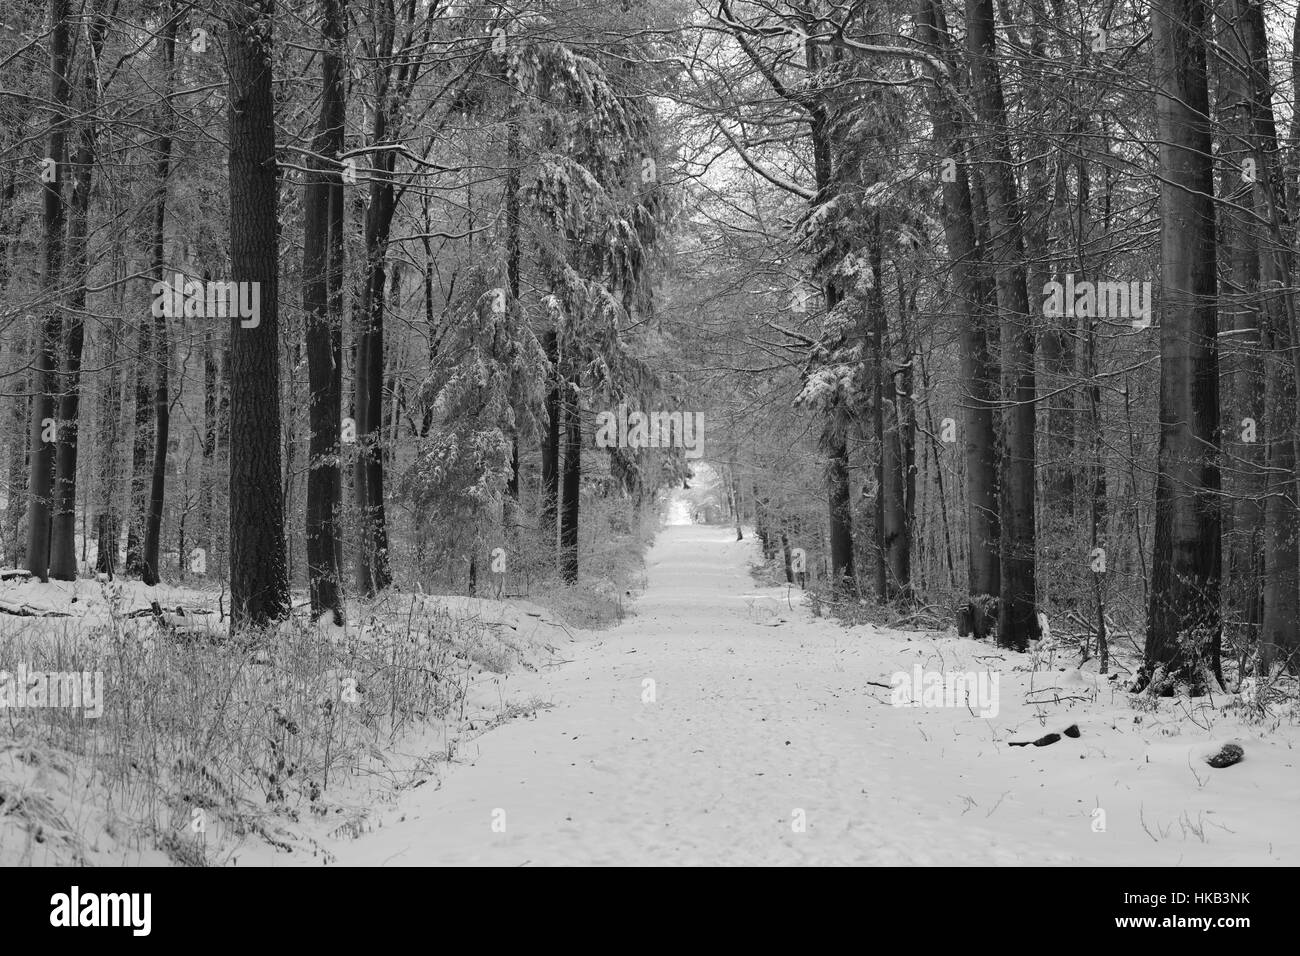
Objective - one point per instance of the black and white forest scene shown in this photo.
(670, 433)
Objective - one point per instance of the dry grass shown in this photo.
(203, 739)
(206, 743)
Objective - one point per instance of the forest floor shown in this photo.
(769, 737)
(258, 742)
(722, 723)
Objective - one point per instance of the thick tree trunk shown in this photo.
(63, 542)
(259, 584)
(63, 524)
(1017, 604)
(1183, 621)
(834, 439)
(40, 482)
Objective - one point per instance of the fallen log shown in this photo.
(30, 610)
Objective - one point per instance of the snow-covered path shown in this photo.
(762, 717)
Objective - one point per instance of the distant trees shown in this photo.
(1021, 128)
(834, 230)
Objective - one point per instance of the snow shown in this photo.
(679, 512)
(91, 601)
(761, 718)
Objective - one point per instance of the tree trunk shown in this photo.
(19, 443)
(835, 429)
(551, 447)
(1183, 621)
(322, 303)
(740, 509)
(1243, 375)
(210, 400)
(373, 573)
(876, 335)
(11, 531)
(1017, 604)
(572, 480)
(514, 158)
(841, 513)
(259, 584)
(141, 448)
(161, 336)
(40, 483)
(905, 412)
(895, 551)
(63, 542)
(979, 372)
(372, 557)
(1279, 638)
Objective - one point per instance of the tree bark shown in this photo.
(571, 491)
(63, 542)
(1279, 632)
(322, 283)
(1183, 620)
(1017, 604)
(141, 447)
(514, 255)
(550, 497)
(979, 371)
(1243, 375)
(161, 336)
(894, 543)
(259, 584)
(40, 482)
(372, 556)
